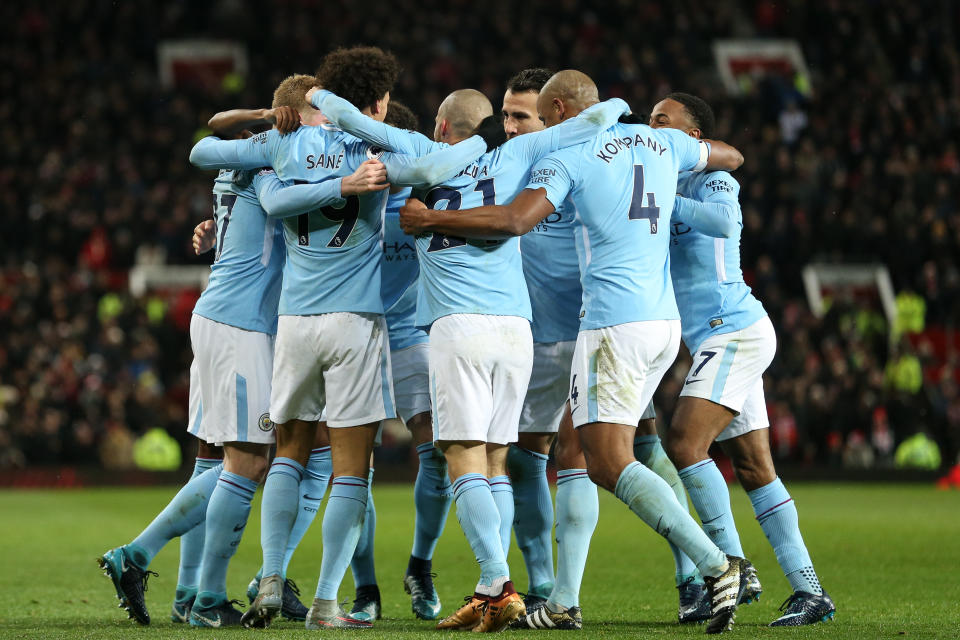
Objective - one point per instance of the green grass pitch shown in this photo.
(888, 554)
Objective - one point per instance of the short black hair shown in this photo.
(700, 112)
(360, 75)
(400, 116)
(529, 80)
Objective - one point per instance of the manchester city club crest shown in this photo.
(265, 423)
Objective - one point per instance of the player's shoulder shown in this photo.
(707, 182)
(234, 181)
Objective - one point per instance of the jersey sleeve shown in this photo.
(281, 199)
(691, 154)
(213, 153)
(714, 210)
(432, 169)
(345, 115)
(555, 174)
(585, 126)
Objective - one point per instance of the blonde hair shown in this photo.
(292, 92)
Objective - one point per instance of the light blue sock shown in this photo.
(777, 515)
(651, 498)
(278, 511)
(502, 491)
(364, 573)
(578, 508)
(312, 488)
(480, 521)
(187, 509)
(432, 496)
(711, 498)
(649, 452)
(533, 516)
(227, 516)
(342, 523)
(191, 542)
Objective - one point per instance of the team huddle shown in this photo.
(516, 284)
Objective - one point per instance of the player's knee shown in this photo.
(602, 474)
(568, 456)
(753, 473)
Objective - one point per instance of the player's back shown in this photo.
(400, 272)
(711, 293)
(333, 253)
(475, 276)
(244, 285)
(622, 184)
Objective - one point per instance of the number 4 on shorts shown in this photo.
(574, 394)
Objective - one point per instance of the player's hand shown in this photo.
(204, 236)
(285, 119)
(413, 216)
(369, 176)
(491, 130)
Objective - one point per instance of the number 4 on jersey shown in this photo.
(651, 212)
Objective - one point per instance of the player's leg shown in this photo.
(777, 514)
(243, 468)
(359, 389)
(578, 509)
(366, 603)
(620, 367)
(694, 603)
(432, 493)
(502, 490)
(191, 542)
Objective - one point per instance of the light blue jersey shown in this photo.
(486, 276)
(333, 252)
(399, 278)
(705, 258)
(622, 185)
(552, 272)
(244, 284)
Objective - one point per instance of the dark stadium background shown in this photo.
(95, 178)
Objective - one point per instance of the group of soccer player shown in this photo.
(516, 284)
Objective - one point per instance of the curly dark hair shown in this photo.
(529, 80)
(400, 116)
(361, 75)
(700, 112)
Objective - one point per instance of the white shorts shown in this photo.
(728, 369)
(195, 405)
(233, 372)
(549, 387)
(617, 369)
(411, 380)
(340, 361)
(479, 369)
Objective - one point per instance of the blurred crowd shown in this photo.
(859, 164)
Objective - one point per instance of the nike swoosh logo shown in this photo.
(240, 527)
(307, 497)
(573, 410)
(692, 381)
(212, 623)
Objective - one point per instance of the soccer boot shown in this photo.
(750, 588)
(424, 600)
(532, 601)
(290, 607)
(129, 581)
(222, 614)
(266, 605)
(253, 589)
(724, 591)
(805, 608)
(694, 602)
(326, 614)
(182, 603)
(543, 618)
(500, 612)
(466, 617)
(366, 606)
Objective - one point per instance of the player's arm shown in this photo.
(722, 156)
(588, 124)
(281, 200)
(550, 182)
(432, 169)
(716, 213)
(213, 153)
(227, 124)
(491, 222)
(697, 155)
(345, 115)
